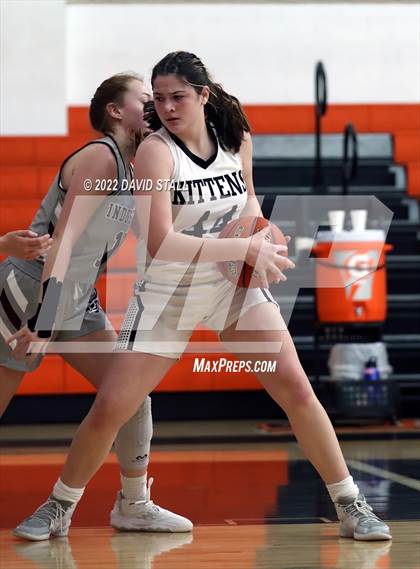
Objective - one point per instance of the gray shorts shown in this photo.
(79, 312)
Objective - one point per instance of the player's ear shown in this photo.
(205, 93)
(114, 110)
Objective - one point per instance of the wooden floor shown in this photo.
(254, 506)
(294, 546)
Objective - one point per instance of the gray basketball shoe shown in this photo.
(358, 521)
(52, 518)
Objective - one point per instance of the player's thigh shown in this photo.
(261, 334)
(92, 365)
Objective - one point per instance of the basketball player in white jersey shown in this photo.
(87, 230)
(201, 144)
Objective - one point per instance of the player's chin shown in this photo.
(174, 125)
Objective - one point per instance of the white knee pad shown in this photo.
(132, 443)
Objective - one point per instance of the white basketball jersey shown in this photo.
(205, 196)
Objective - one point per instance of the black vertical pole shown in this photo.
(320, 110)
(350, 157)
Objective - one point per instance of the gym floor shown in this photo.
(254, 504)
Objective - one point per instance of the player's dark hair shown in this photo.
(222, 110)
(109, 91)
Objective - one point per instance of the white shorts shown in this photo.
(161, 323)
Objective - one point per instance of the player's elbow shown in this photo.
(154, 246)
(159, 244)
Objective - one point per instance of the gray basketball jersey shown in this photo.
(106, 228)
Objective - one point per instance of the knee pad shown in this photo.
(132, 444)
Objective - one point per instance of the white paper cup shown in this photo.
(358, 219)
(303, 244)
(336, 220)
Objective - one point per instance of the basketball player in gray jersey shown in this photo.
(53, 296)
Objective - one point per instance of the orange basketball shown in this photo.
(239, 272)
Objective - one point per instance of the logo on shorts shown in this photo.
(93, 306)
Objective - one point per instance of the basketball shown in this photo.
(239, 272)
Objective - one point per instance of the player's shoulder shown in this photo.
(154, 147)
(97, 153)
(99, 149)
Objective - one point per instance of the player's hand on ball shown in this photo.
(267, 258)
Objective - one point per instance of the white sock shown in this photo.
(66, 494)
(134, 488)
(346, 487)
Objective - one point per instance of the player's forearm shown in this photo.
(252, 208)
(178, 247)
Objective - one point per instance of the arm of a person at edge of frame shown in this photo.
(154, 215)
(252, 206)
(96, 163)
(24, 244)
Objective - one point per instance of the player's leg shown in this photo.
(132, 444)
(94, 367)
(9, 382)
(118, 398)
(17, 302)
(133, 508)
(290, 388)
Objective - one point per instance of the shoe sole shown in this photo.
(32, 537)
(118, 523)
(379, 536)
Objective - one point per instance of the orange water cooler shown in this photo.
(351, 276)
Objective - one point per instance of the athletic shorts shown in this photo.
(79, 312)
(161, 324)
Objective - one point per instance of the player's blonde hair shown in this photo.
(109, 91)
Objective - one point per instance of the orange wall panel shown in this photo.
(16, 150)
(46, 175)
(407, 146)
(339, 115)
(78, 122)
(52, 150)
(413, 169)
(18, 182)
(393, 118)
(48, 378)
(14, 216)
(272, 119)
